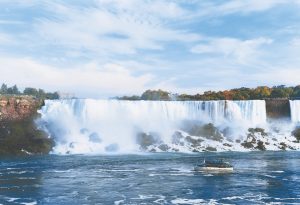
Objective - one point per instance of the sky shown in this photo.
(106, 48)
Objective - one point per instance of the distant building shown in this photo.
(63, 95)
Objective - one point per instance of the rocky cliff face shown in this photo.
(18, 132)
(278, 109)
(17, 108)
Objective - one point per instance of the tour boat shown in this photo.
(215, 165)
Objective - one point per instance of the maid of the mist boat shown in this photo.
(216, 165)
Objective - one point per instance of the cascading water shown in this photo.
(295, 111)
(101, 126)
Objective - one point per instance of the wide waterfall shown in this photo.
(295, 110)
(101, 126)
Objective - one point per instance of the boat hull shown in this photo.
(225, 169)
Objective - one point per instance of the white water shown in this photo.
(295, 110)
(101, 126)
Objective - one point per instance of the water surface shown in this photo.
(161, 178)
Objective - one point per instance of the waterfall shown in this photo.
(100, 126)
(295, 110)
(253, 111)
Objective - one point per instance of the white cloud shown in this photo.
(204, 9)
(151, 38)
(278, 76)
(88, 80)
(248, 5)
(5, 39)
(113, 26)
(19, 3)
(145, 9)
(237, 49)
(295, 42)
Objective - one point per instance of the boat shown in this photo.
(215, 165)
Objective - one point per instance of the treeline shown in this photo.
(38, 93)
(149, 95)
(260, 92)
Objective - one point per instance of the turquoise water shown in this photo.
(161, 178)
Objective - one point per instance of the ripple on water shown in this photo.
(189, 201)
(29, 203)
(15, 200)
(119, 202)
(161, 179)
(11, 199)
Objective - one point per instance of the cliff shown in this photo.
(19, 134)
(278, 109)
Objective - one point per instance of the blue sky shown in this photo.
(102, 48)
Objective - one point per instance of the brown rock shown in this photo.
(18, 107)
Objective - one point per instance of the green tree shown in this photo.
(296, 91)
(30, 91)
(41, 94)
(281, 92)
(3, 89)
(52, 96)
(241, 93)
(133, 98)
(15, 90)
(261, 92)
(155, 95)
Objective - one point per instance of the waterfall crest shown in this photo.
(295, 110)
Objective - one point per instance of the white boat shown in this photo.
(216, 165)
